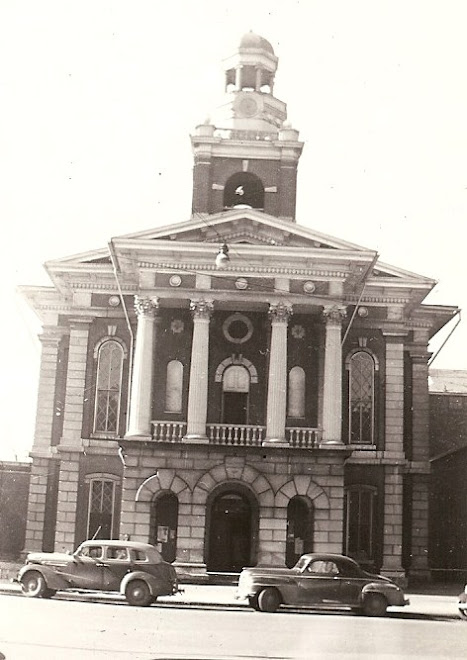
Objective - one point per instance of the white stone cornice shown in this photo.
(243, 268)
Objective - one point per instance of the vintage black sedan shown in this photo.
(318, 581)
(136, 570)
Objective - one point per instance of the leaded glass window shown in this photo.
(101, 508)
(108, 388)
(361, 398)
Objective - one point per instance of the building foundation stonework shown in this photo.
(236, 389)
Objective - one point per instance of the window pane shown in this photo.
(109, 377)
(362, 369)
(174, 386)
(296, 392)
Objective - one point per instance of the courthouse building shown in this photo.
(236, 388)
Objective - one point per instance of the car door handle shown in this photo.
(102, 565)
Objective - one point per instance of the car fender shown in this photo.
(153, 583)
(393, 595)
(52, 580)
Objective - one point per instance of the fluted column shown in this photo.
(141, 381)
(332, 390)
(198, 388)
(277, 382)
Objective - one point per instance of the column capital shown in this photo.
(334, 314)
(280, 312)
(201, 309)
(146, 306)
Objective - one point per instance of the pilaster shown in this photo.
(75, 382)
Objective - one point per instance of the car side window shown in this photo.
(93, 552)
(138, 555)
(320, 567)
(117, 553)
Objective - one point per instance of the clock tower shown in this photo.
(247, 156)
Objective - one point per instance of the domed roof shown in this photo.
(252, 40)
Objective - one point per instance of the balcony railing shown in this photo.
(237, 435)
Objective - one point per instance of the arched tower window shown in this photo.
(174, 387)
(296, 405)
(108, 387)
(244, 189)
(361, 367)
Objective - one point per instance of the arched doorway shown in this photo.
(299, 529)
(163, 525)
(230, 532)
(235, 395)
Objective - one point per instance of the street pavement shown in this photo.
(432, 600)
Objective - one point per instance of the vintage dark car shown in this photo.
(462, 604)
(325, 581)
(136, 570)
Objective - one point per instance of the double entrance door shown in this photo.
(230, 533)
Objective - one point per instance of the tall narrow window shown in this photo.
(296, 406)
(101, 508)
(361, 398)
(360, 510)
(108, 387)
(174, 387)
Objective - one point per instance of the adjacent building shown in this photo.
(236, 388)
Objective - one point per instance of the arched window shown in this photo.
(361, 367)
(235, 394)
(244, 189)
(174, 387)
(108, 387)
(296, 406)
(360, 522)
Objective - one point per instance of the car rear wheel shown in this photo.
(33, 585)
(463, 615)
(253, 602)
(269, 600)
(374, 605)
(137, 593)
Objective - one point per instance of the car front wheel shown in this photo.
(269, 600)
(137, 593)
(463, 614)
(33, 585)
(374, 605)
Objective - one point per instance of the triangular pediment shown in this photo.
(253, 233)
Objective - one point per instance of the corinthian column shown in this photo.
(198, 392)
(332, 390)
(141, 381)
(277, 383)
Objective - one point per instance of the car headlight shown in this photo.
(245, 582)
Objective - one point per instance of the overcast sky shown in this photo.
(98, 98)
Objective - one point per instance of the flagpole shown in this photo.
(364, 280)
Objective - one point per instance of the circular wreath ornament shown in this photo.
(175, 280)
(363, 312)
(298, 331)
(114, 301)
(177, 326)
(241, 283)
(309, 287)
(237, 328)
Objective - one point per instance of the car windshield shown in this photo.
(301, 563)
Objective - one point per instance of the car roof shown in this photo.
(121, 544)
(326, 556)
